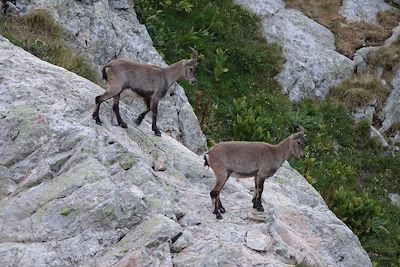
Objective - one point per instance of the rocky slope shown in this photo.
(104, 30)
(74, 193)
(312, 65)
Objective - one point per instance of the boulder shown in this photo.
(364, 113)
(391, 111)
(363, 10)
(312, 65)
(376, 135)
(395, 199)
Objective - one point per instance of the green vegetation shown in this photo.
(39, 34)
(236, 98)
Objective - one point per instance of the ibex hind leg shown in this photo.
(259, 206)
(221, 178)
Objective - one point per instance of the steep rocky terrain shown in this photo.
(313, 66)
(104, 30)
(74, 193)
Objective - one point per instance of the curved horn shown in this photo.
(194, 53)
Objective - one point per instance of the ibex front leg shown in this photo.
(141, 116)
(116, 111)
(154, 110)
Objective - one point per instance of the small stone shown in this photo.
(258, 241)
(159, 164)
(395, 199)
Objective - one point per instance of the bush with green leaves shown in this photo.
(358, 212)
(220, 59)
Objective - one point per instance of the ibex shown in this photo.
(149, 81)
(248, 159)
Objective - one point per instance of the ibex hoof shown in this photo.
(138, 121)
(260, 209)
(158, 133)
(222, 210)
(219, 217)
(98, 122)
(123, 125)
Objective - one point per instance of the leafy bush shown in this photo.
(220, 60)
(357, 212)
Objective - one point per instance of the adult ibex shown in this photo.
(248, 159)
(149, 81)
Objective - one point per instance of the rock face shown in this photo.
(104, 30)
(312, 64)
(363, 10)
(391, 112)
(74, 193)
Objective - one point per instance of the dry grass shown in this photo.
(395, 128)
(348, 37)
(38, 33)
(360, 91)
(386, 57)
(325, 12)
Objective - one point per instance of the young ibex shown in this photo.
(248, 159)
(149, 81)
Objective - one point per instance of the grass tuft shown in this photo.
(39, 34)
(360, 91)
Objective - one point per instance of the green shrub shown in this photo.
(220, 60)
(357, 212)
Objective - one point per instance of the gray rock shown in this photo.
(312, 65)
(364, 113)
(9, 8)
(87, 195)
(103, 30)
(375, 134)
(257, 241)
(394, 37)
(363, 10)
(7, 184)
(395, 199)
(391, 111)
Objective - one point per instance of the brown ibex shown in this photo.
(149, 81)
(248, 159)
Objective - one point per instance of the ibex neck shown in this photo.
(283, 150)
(173, 72)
